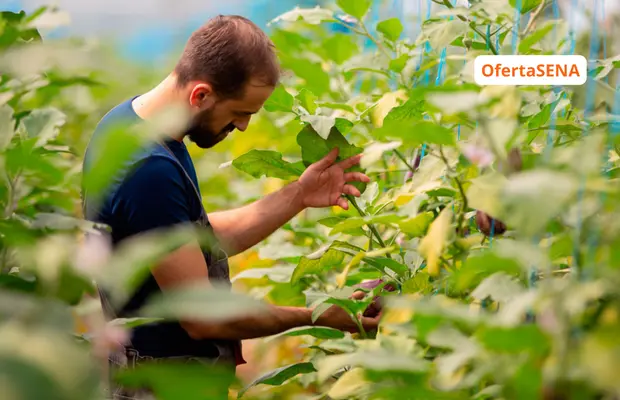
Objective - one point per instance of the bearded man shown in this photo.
(225, 74)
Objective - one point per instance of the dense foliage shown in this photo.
(488, 232)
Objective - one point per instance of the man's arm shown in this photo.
(187, 265)
(153, 198)
(241, 228)
(321, 185)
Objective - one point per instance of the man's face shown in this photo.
(212, 124)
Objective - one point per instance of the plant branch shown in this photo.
(404, 159)
(533, 18)
(372, 228)
(472, 25)
(459, 184)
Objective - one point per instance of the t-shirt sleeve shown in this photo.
(154, 196)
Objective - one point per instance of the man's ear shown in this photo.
(202, 96)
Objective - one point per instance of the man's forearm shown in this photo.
(275, 320)
(239, 229)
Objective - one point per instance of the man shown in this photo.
(227, 71)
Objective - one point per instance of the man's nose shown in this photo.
(242, 124)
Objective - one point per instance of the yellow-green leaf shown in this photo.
(434, 243)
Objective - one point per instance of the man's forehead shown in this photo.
(253, 98)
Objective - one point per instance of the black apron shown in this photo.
(218, 271)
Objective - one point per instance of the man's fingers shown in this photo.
(356, 177)
(351, 161)
(328, 160)
(343, 203)
(352, 190)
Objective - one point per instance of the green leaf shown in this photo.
(180, 380)
(374, 152)
(278, 376)
(277, 273)
(416, 226)
(357, 222)
(336, 106)
(517, 340)
(201, 302)
(330, 222)
(280, 100)
(339, 48)
(415, 134)
(321, 124)
(133, 322)
(441, 32)
(314, 148)
(307, 266)
(391, 28)
(435, 241)
(398, 64)
(526, 44)
(312, 16)
(307, 100)
(420, 283)
(319, 332)
(43, 123)
(498, 287)
(526, 5)
(479, 266)
(350, 385)
(28, 380)
(377, 360)
(530, 199)
(356, 8)
(258, 163)
(7, 126)
(314, 76)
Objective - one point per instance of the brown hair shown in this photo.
(228, 51)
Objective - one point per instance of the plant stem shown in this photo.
(472, 25)
(404, 159)
(459, 184)
(363, 333)
(533, 18)
(372, 228)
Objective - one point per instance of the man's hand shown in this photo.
(337, 318)
(323, 183)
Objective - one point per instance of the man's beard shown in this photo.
(200, 133)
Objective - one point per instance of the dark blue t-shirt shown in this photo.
(151, 191)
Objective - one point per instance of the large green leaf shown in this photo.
(339, 48)
(417, 133)
(180, 380)
(309, 266)
(7, 126)
(391, 28)
(43, 124)
(526, 44)
(310, 15)
(201, 302)
(320, 123)
(278, 376)
(357, 8)
(314, 148)
(357, 222)
(525, 6)
(517, 340)
(530, 199)
(307, 100)
(267, 163)
(377, 360)
(416, 226)
(280, 100)
(319, 332)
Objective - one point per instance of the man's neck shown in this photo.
(162, 97)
